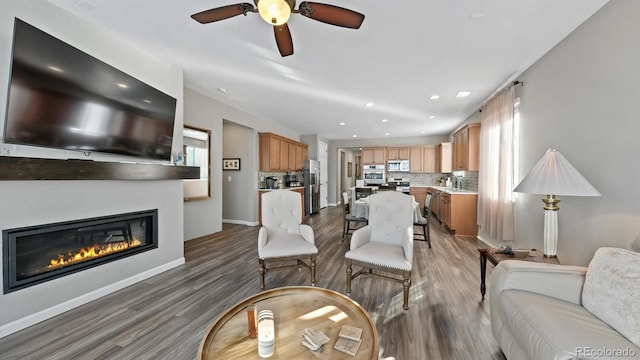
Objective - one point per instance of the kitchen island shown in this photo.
(455, 208)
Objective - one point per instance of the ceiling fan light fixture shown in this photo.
(274, 12)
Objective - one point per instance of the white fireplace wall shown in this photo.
(25, 203)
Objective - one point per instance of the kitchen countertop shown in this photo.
(449, 190)
(284, 188)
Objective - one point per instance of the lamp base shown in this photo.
(550, 226)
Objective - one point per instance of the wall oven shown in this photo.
(373, 174)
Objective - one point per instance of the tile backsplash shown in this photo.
(467, 180)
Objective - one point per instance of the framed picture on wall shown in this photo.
(231, 164)
(349, 169)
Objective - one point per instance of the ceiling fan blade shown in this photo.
(221, 13)
(283, 39)
(330, 14)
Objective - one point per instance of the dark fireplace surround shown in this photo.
(36, 254)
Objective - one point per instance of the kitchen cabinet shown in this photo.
(429, 159)
(261, 192)
(374, 155)
(284, 155)
(445, 202)
(466, 148)
(459, 213)
(444, 157)
(397, 153)
(415, 159)
(422, 159)
(278, 153)
(420, 194)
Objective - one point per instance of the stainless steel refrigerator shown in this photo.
(311, 187)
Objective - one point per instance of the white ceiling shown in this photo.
(404, 52)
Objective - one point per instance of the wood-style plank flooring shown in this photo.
(165, 317)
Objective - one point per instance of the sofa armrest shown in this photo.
(558, 281)
(563, 282)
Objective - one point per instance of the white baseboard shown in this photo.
(45, 314)
(240, 222)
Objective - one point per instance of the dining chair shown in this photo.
(363, 192)
(385, 244)
(425, 221)
(282, 237)
(348, 218)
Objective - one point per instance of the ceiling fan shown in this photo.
(277, 12)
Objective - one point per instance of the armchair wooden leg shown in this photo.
(313, 270)
(406, 284)
(349, 272)
(261, 271)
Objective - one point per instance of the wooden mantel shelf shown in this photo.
(23, 168)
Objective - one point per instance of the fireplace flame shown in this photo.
(94, 251)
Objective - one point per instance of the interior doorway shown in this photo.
(323, 157)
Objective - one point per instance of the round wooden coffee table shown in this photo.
(294, 308)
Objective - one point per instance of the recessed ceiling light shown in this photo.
(354, 135)
(422, 132)
(463, 94)
(384, 120)
(54, 68)
(369, 104)
(434, 97)
(223, 90)
(343, 123)
(147, 101)
(386, 134)
(124, 86)
(432, 116)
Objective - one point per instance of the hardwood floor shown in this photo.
(165, 317)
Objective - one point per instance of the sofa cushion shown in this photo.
(612, 290)
(548, 328)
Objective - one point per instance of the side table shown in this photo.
(494, 258)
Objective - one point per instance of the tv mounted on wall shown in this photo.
(61, 97)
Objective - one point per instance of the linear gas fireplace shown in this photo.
(35, 254)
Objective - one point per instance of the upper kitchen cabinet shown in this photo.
(429, 159)
(422, 159)
(398, 153)
(444, 157)
(466, 148)
(277, 153)
(415, 159)
(373, 155)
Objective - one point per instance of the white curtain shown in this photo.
(495, 179)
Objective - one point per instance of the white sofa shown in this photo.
(545, 312)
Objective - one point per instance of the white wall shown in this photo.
(205, 217)
(235, 183)
(582, 99)
(24, 203)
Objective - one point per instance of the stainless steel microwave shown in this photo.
(398, 165)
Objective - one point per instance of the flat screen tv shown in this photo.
(61, 97)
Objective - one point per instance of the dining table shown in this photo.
(360, 208)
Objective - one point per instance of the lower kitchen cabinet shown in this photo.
(459, 213)
(420, 194)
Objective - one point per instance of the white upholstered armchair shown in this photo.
(283, 237)
(386, 244)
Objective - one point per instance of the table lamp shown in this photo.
(554, 175)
